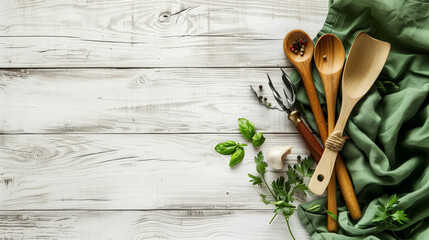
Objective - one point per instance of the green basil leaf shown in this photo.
(247, 128)
(237, 157)
(226, 148)
(258, 139)
(242, 145)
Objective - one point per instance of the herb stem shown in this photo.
(272, 219)
(394, 234)
(288, 227)
(266, 184)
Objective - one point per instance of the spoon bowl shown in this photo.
(287, 43)
(329, 54)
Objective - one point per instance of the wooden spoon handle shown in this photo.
(310, 89)
(347, 188)
(332, 225)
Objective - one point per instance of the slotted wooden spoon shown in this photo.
(365, 61)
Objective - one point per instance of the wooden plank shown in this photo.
(136, 101)
(191, 224)
(130, 171)
(150, 33)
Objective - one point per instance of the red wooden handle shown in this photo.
(310, 141)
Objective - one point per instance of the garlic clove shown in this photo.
(277, 155)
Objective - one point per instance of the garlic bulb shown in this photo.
(276, 156)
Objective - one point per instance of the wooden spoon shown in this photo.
(303, 66)
(366, 60)
(329, 57)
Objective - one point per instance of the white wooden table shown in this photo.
(110, 111)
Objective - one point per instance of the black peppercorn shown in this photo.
(260, 97)
(260, 86)
(265, 98)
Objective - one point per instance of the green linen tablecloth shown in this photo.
(389, 148)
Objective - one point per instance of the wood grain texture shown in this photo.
(136, 101)
(150, 33)
(130, 171)
(131, 225)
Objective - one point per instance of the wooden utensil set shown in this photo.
(365, 62)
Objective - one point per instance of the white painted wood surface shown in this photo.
(136, 100)
(110, 110)
(135, 33)
(171, 224)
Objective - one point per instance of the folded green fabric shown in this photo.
(388, 151)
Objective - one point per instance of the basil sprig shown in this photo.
(247, 129)
(231, 147)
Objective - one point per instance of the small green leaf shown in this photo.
(314, 208)
(333, 216)
(259, 158)
(261, 166)
(302, 187)
(300, 108)
(282, 204)
(258, 139)
(386, 87)
(392, 200)
(292, 175)
(237, 157)
(380, 217)
(242, 145)
(226, 148)
(400, 216)
(247, 128)
(288, 212)
(255, 180)
(390, 87)
(264, 199)
(305, 167)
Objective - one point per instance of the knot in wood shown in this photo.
(40, 154)
(335, 141)
(164, 17)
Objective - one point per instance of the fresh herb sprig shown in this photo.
(248, 131)
(388, 215)
(236, 150)
(282, 190)
(231, 147)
